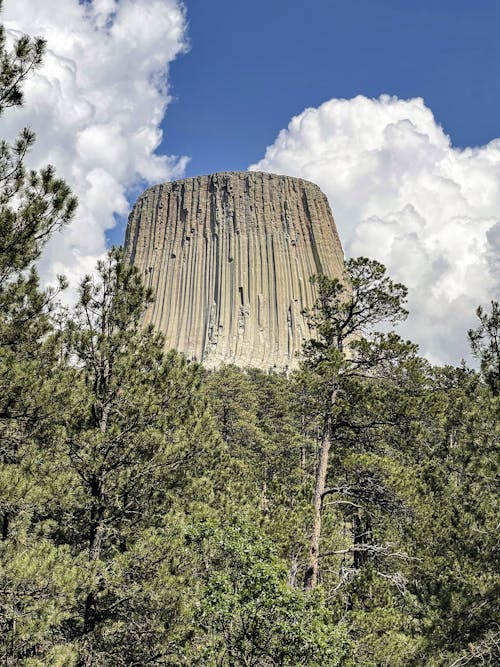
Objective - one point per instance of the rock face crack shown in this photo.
(230, 257)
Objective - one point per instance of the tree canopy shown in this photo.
(156, 513)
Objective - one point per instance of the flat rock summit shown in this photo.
(230, 256)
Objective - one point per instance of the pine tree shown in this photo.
(139, 440)
(340, 365)
(35, 580)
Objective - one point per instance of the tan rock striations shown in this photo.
(229, 257)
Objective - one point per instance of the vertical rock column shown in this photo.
(229, 257)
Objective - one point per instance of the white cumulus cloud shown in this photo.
(96, 106)
(402, 194)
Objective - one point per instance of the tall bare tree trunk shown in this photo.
(311, 575)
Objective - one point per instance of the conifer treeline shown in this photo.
(155, 513)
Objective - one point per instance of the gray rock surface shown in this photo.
(229, 257)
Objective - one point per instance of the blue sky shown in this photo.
(253, 65)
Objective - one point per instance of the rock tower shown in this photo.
(230, 257)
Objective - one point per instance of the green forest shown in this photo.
(153, 512)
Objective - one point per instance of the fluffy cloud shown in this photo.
(401, 193)
(96, 106)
